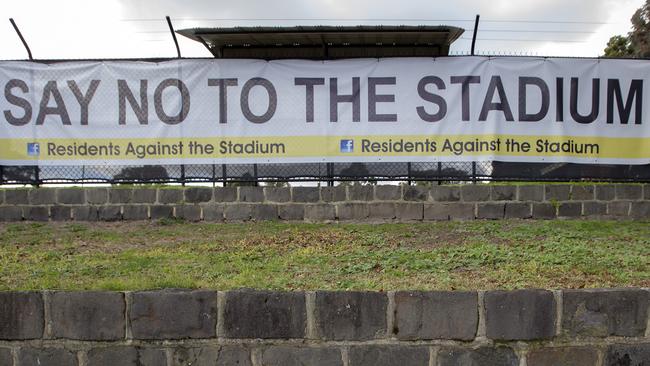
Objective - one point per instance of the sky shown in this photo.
(81, 29)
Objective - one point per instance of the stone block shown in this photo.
(61, 213)
(352, 211)
(88, 316)
(445, 193)
(305, 194)
(173, 314)
(640, 210)
(42, 196)
(358, 192)
(557, 192)
(436, 315)
(6, 359)
(211, 356)
(143, 195)
(11, 213)
(85, 213)
(263, 212)
(109, 213)
(544, 211)
(352, 316)
(21, 315)
(449, 211)
(2, 195)
(519, 315)
(158, 212)
(503, 193)
(602, 313)
(126, 356)
(569, 209)
(518, 210)
(475, 192)
(238, 212)
(97, 196)
(333, 194)
(188, 212)
(36, 213)
(170, 195)
(225, 194)
(119, 195)
(381, 211)
(388, 193)
(594, 209)
(490, 211)
(583, 192)
(213, 212)
(277, 194)
(629, 191)
(617, 208)
(415, 193)
(409, 211)
(320, 212)
(16, 196)
(533, 193)
(605, 192)
(264, 314)
(300, 356)
(135, 212)
(574, 356)
(71, 196)
(291, 212)
(628, 355)
(46, 357)
(251, 194)
(482, 356)
(197, 194)
(389, 355)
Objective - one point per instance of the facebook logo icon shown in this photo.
(347, 146)
(33, 149)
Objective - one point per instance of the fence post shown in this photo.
(183, 175)
(224, 174)
(474, 172)
(408, 173)
(37, 176)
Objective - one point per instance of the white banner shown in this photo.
(360, 110)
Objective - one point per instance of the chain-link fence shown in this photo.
(323, 172)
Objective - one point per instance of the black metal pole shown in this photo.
(171, 29)
(478, 17)
(22, 39)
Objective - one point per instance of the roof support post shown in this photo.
(20, 35)
(171, 29)
(478, 17)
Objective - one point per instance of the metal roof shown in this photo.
(326, 42)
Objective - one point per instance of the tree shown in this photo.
(619, 46)
(640, 34)
(637, 42)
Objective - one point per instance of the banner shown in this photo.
(514, 109)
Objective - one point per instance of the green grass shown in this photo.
(448, 255)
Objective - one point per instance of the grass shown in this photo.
(281, 256)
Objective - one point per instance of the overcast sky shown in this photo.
(120, 28)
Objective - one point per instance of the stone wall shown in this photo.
(353, 203)
(262, 328)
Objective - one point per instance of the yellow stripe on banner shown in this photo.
(326, 146)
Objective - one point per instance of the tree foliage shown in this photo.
(637, 41)
(619, 46)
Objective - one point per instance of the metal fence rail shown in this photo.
(324, 172)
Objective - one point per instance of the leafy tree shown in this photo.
(640, 34)
(619, 46)
(637, 42)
